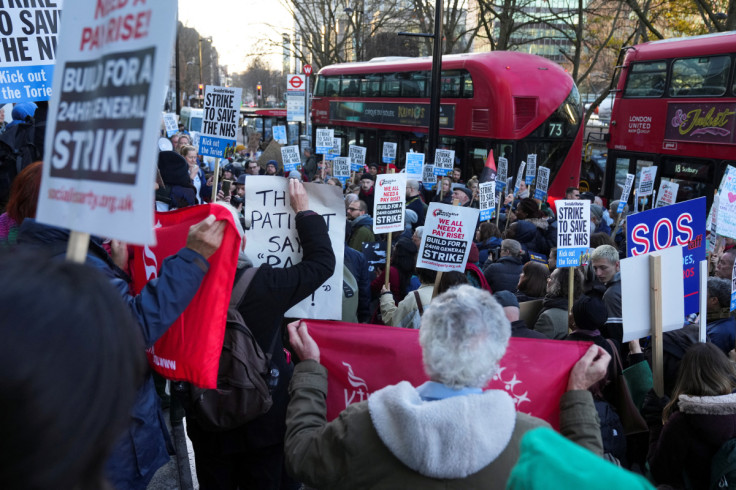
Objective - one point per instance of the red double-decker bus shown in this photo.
(513, 103)
(675, 107)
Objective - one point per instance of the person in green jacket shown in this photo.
(446, 433)
(361, 225)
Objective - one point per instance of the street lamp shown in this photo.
(208, 39)
(356, 29)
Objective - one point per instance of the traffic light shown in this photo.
(259, 90)
(201, 90)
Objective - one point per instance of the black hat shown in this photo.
(506, 298)
(590, 313)
(373, 165)
(465, 191)
(367, 176)
(228, 168)
(174, 168)
(241, 180)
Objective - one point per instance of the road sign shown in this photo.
(295, 82)
(307, 69)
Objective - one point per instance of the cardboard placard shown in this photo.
(646, 181)
(487, 193)
(279, 134)
(573, 231)
(542, 183)
(448, 234)
(531, 169)
(502, 174)
(170, 124)
(625, 193)
(389, 203)
(667, 193)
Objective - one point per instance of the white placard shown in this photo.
(487, 191)
(341, 168)
(542, 183)
(531, 169)
(295, 106)
(573, 231)
(448, 235)
(357, 157)
(635, 293)
(389, 203)
(389, 152)
(502, 174)
(646, 181)
(414, 166)
(625, 193)
(325, 140)
(272, 237)
(100, 163)
(726, 215)
(220, 120)
(29, 45)
(170, 124)
(444, 161)
(667, 193)
(519, 178)
(429, 180)
(335, 150)
(290, 157)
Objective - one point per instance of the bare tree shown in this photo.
(189, 41)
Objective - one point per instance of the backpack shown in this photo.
(612, 432)
(414, 319)
(723, 467)
(17, 151)
(245, 377)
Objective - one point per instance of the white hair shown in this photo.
(464, 335)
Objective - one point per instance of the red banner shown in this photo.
(190, 349)
(364, 358)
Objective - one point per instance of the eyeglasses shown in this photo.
(353, 209)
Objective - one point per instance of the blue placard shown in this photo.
(290, 167)
(27, 83)
(571, 257)
(414, 162)
(538, 194)
(486, 214)
(500, 186)
(211, 146)
(677, 224)
(279, 133)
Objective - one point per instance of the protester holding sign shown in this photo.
(392, 438)
(606, 264)
(142, 450)
(251, 456)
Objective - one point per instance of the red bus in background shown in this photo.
(675, 107)
(513, 103)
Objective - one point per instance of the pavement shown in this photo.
(179, 472)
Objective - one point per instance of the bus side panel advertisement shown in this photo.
(678, 224)
(708, 122)
(406, 114)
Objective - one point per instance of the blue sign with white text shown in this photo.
(677, 224)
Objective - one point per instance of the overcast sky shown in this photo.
(236, 27)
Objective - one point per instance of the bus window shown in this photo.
(370, 86)
(467, 86)
(451, 84)
(622, 168)
(414, 84)
(391, 86)
(319, 88)
(646, 79)
(349, 85)
(700, 77)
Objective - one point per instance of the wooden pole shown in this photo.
(437, 280)
(215, 180)
(76, 249)
(388, 261)
(618, 224)
(655, 302)
(703, 300)
(571, 289)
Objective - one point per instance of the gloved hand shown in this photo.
(652, 408)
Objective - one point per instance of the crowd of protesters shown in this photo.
(434, 435)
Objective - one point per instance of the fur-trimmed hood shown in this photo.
(449, 438)
(708, 405)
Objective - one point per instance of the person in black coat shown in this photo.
(503, 275)
(252, 456)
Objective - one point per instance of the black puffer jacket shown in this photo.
(504, 274)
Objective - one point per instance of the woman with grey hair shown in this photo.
(446, 429)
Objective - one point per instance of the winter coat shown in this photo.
(484, 248)
(722, 333)
(417, 205)
(532, 235)
(367, 198)
(690, 439)
(613, 329)
(553, 319)
(397, 440)
(361, 230)
(394, 315)
(141, 450)
(503, 275)
(358, 266)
